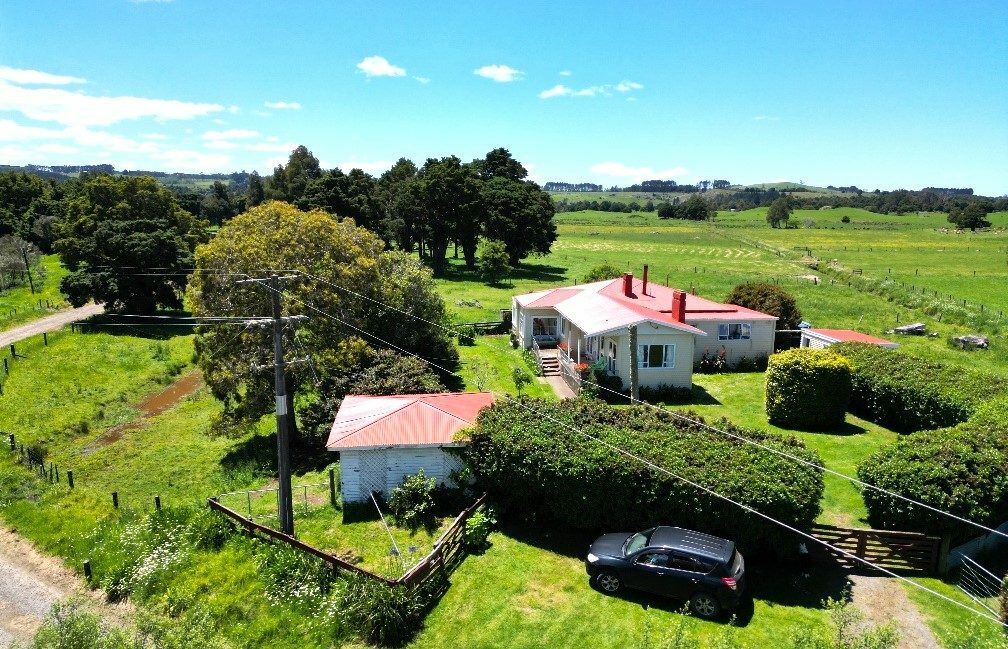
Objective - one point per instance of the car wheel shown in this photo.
(609, 582)
(705, 605)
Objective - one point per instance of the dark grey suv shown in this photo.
(704, 570)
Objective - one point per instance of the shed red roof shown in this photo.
(850, 336)
(404, 420)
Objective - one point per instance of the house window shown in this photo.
(734, 331)
(544, 327)
(650, 356)
(612, 357)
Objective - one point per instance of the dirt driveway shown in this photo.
(49, 323)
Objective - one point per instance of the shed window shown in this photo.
(650, 356)
(734, 331)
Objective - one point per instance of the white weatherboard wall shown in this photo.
(365, 470)
(813, 343)
(760, 343)
(679, 376)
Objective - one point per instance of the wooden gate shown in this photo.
(901, 551)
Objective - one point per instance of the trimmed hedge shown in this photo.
(906, 393)
(539, 470)
(807, 389)
(962, 470)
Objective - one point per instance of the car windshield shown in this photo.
(636, 542)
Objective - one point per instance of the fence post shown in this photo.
(943, 555)
(13, 352)
(157, 503)
(13, 444)
(332, 483)
(45, 339)
(6, 366)
(87, 570)
(115, 499)
(70, 479)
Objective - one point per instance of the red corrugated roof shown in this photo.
(553, 298)
(404, 420)
(850, 336)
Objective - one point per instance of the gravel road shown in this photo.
(49, 323)
(31, 582)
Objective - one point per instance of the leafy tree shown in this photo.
(500, 164)
(117, 225)
(255, 193)
(450, 207)
(344, 273)
(398, 200)
(602, 272)
(521, 378)
(973, 216)
(494, 261)
(25, 199)
(666, 211)
(346, 195)
(289, 183)
(779, 212)
(217, 207)
(520, 215)
(767, 298)
(19, 256)
(695, 208)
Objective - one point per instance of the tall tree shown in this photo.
(217, 207)
(779, 212)
(118, 225)
(345, 274)
(449, 196)
(23, 197)
(500, 164)
(520, 215)
(397, 198)
(255, 193)
(289, 182)
(973, 216)
(347, 195)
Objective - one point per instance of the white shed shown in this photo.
(823, 338)
(381, 440)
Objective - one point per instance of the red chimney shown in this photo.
(644, 281)
(679, 305)
(628, 284)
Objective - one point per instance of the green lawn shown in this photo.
(19, 304)
(488, 366)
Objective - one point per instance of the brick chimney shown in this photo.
(644, 281)
(628, 284)
(679, 305)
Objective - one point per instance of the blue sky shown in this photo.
(874, 94)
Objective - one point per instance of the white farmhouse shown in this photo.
(381, 440)
(591, 324)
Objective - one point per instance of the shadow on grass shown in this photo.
(525, 271)
(155, 327)
(846, 429)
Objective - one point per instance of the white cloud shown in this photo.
(56, 148)
(565, 73)
(231, 134)
(154, 136)
(499, 73)
(379, 66)
(11, 131)
(270, 163)
(606, 89)
(233, 109)
(35, 77)
(627, 86)
(558, 90)
(423, 80)
(78, 109)
(220, 144)
(283, 105)
(765, 118)
(370, 167)
(620, 170)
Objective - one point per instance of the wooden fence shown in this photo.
(448, 551)
(902, 551)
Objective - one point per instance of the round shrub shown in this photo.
(962, 470)
(412, 502)
(539, 470)
(768, 298)
(807, 389)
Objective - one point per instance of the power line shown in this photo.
(698, 422)
(707, 490)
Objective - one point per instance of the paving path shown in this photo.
(49, 323)
(30, 583)
(884, 600)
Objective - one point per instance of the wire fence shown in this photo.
(979, 584)
(261, 505)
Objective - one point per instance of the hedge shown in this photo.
(962, 470)
(539, 470)
(906, 393)
(807, 389)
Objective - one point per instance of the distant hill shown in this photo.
(175, 179)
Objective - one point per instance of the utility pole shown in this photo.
(285, 499)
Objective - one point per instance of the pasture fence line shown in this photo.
(22, 349)
(448, 550)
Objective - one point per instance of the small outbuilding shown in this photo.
(381, 440)
(822, 338)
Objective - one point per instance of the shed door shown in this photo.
(373, 471)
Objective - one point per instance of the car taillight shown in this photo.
(729, 582)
